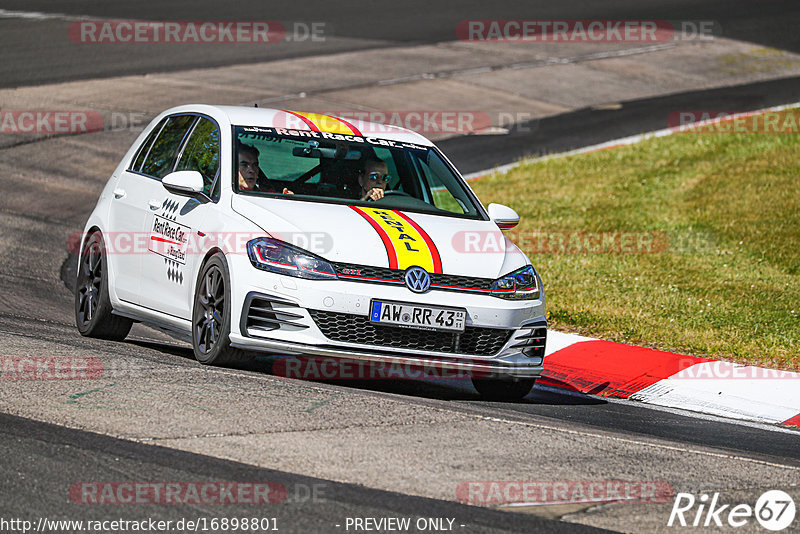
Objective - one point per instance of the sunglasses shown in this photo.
(378, 177)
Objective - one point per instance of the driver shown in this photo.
(249, 171)
(372, 179)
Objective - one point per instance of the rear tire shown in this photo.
(503, 389)
(211, 316)
(93, 315)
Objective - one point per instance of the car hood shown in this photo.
(384, 237)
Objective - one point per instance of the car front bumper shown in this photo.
(519, 366)
(287, 321)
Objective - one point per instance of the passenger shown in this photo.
(249, 172)
(372, 179)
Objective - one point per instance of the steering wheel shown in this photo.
(389, 192)
(395, 192)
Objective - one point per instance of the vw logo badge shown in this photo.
(418, 280)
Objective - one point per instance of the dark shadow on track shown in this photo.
(175, 350)
(407, 381)
(438, 388)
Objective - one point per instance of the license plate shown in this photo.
(417, 316)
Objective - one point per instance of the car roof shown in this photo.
(301, 120)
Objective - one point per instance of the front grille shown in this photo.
(368, 271)
(445, 282)
(466, 282)
(350, 328)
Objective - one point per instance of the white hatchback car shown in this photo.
(247, 229)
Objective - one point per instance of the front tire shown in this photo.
(93, 315)
(211, 316)
(503, 390)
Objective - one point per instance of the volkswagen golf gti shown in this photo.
(248, 230)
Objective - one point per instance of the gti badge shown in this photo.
(418, 280)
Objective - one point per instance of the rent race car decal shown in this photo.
(169, 239)
(325, 123)
(407, 244)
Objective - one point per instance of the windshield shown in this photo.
(327, 167)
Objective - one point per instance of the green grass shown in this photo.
(727, 285)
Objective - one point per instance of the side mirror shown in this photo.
(503, 216)
(184, 183)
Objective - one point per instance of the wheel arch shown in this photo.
(91, 229)
(213, 251)
(85, 238)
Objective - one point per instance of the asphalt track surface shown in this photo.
(46, 459)
(40, 460)
(31, 56)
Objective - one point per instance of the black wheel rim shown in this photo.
(91, 282)
(211, 310)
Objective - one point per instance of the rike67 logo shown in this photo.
(774, 510)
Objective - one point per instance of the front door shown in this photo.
(176, 225)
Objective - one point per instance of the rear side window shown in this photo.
(161, 156)
(145, 148)
(202, 153)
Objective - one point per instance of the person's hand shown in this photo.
(376, 193)
(287, 192)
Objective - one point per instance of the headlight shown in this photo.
(522, 284)
(279, 257)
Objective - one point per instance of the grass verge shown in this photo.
(688, 243)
